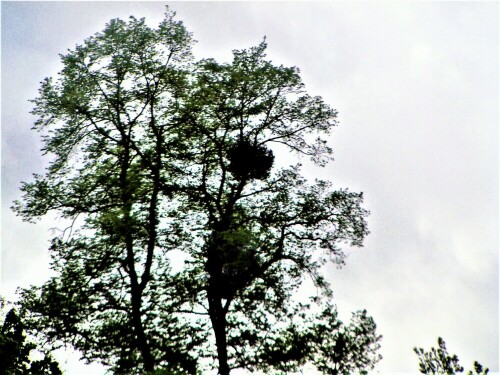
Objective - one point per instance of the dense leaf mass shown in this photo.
(186, 245)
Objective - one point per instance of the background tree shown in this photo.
(15, 350)
(438, 361)
(154, 153)
(348, 349)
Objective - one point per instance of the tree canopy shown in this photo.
(157, 157)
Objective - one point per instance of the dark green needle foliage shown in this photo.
(478, 369)
(157, 157)
(439, 361)
(15, 350)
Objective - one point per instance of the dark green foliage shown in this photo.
(322, 339)
(345, 349)
(438, 361)
(15, 351)
(157, 156)
(478, 369)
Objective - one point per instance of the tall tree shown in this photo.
(155, 153)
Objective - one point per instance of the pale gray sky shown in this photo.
(416, 85)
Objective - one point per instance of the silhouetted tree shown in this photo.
(346, 350)
(15, 350)
(154, 153)
(438, 361)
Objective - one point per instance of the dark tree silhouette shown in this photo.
(438, 361)
(15, 350)
(155, 156)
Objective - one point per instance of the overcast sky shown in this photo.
(417, 90)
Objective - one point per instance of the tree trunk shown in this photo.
(135, 288)
(218, 318)
(142, 341)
